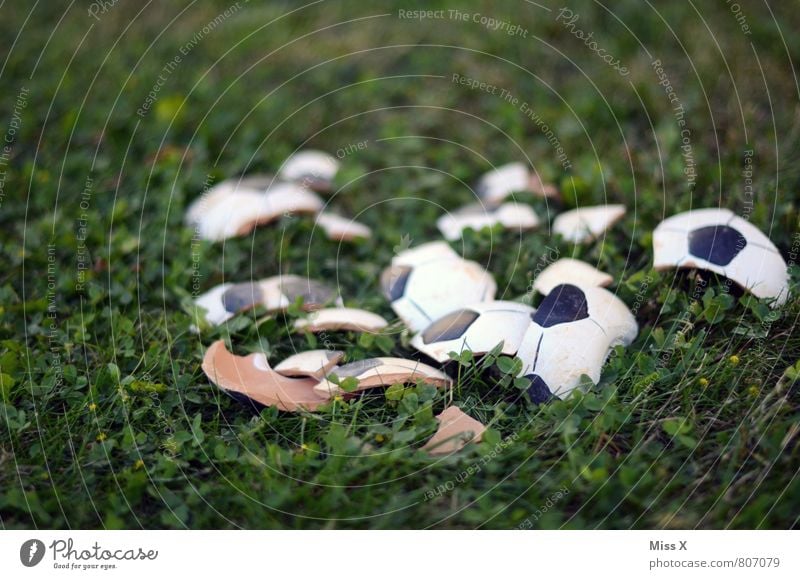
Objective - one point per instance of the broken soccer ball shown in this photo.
(336, 319)
(311, 168)
(432, 280)
(251, 380)
(478, 328)
(513, 216)
(236, 206)
(376, 372)
(568, 270)
(496, 185)
(456, 430)
(274, 294)
(340, 228)
(716, 240)
(310, 364)
(585, 224)
(571, 334)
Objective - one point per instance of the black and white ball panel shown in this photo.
(572, 334)
(424, 253)
(427, 282)
(571, 271)
(314, 294)
(478, 328)
(394, 280)
(274, 293)
(241, 297)
(561, 353)
(717, 244)
(565, 303)
(716, 240)
(450, 327)
(539, 391)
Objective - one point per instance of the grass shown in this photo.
(106, 417)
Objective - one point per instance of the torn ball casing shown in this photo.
(572, 271)
(572, 334)
(274, 294)
(718, 241)
(310, 364)
(234, 207)
(377, 372)
(336, 319)
(340, 228)
(495, 185)
(586, 224)
(249, 379)
(512, 216)
(311, 168)
(456, 430)
(427, 282)
(478, 328)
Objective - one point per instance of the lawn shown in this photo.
(116, 115)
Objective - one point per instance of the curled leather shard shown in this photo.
(251, 376)
(377, 372)
(456, 430)
(310, 364)
(336, 319)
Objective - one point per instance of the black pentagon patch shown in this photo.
(262, 182)
(449, 327)
(357, 368)
(315, 294)
(316, 183)
(539, 392)
(481, 189)
(394, 280)
(717, 244)
(565, 303)
(241, 296)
